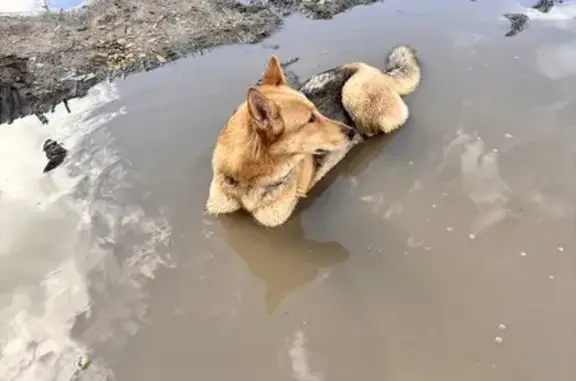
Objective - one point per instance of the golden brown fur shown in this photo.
(264, 157)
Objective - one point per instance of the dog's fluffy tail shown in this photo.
(403, 67)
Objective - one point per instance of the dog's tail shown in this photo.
(403, 67)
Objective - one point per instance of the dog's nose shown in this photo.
(350, 132)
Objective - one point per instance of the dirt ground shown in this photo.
(58, 56)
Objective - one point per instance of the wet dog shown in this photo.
(280, 141)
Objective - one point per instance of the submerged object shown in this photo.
(518, 23)
(544, 6)
(55, 154)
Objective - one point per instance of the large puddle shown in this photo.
(443, 252)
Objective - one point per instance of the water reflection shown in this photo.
(76, 245)
(283, 258)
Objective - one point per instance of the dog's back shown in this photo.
(364, 97)
(325, 91)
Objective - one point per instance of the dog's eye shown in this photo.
(312, 118)
(230, 181)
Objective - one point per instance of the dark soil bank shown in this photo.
(58, 56)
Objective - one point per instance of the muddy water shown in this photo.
(443, 252)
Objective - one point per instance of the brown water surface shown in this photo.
(443, 252)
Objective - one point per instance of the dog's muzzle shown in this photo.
(349, 132)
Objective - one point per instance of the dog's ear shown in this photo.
(261, 109)
(273, 75)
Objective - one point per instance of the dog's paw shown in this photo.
(301, 194)
(222, 207)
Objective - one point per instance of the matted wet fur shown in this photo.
(280, 141)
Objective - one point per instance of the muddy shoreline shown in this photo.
(57, 55)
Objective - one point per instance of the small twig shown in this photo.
(159, 20)
(289, 62)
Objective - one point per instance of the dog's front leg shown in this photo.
(305, 176)
(218, 202)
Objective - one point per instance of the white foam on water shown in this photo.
(60, 230)
(300, 359)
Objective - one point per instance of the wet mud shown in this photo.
(57, 56)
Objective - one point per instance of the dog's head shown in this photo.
(268, 135)
(287, 122)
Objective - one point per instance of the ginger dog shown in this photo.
(280, 141)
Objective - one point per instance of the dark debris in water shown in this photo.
(545, 6)
(291, 61)
(55, 154)
(518, 22)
